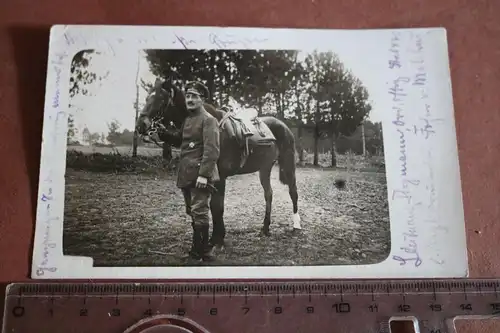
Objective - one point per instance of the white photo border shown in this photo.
(423, 178)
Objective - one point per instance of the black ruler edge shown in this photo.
(282, 287)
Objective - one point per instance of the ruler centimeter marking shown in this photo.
(61, 289)
(256, 306)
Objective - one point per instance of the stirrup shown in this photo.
(243, 160)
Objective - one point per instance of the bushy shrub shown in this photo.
(118, 163)
(348, 161)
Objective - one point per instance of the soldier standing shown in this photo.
(197, 169)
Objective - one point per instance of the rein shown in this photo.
(157, 124)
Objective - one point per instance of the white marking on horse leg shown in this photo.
(296, 221)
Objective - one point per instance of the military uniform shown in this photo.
(200, 150)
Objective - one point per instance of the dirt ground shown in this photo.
(139, 220)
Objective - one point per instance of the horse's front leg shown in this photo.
(217, 210)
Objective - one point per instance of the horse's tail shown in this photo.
(285, 141)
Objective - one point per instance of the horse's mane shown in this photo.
(218, 114)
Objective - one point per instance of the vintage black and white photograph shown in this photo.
(238, 155)
(228, 157)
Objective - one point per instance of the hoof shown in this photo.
(207, 256)
(219, 247)
(193, 260)
(265, 232)
(296, 221)
(218, 244)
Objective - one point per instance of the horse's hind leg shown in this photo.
(292, 190)
(265, 181)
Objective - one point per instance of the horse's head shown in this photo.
(155, 112)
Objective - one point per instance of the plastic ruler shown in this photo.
(370, 306)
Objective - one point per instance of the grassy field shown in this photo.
(126, 219)
(123, 150)
(347, 161)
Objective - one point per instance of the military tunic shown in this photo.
(200, 149)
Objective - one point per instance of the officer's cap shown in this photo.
(197, 88)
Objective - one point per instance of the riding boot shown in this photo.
(195, 251)
(205, 247)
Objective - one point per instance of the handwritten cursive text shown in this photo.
(232, 41)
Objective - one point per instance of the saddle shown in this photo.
(245, 127)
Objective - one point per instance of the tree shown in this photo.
(298, 84)
(138, 83)
(125, 138)
(80, 80)
(264, 77)
(94, 138)
(253, 76)
(354, 142)
(317, 66)
(283, 62)
(341, 99)
(81, 77)
(71, 130)
(113, 133)
(249, 76)
(374, 138)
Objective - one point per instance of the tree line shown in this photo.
(114, 137)
(314, 93)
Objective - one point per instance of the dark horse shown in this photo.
(166, 106)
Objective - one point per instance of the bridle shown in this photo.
(157, 121)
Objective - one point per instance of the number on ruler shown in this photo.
(245, 309)
(404, 308)
(181, 311)
(436, 307)
(278, 310)
(310, 309)
(495, 307)
(84, 312)
(213, 311)
(373, 308)
(115, 313)
(466, 307)
(342, 307)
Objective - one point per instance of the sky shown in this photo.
(113, 97)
